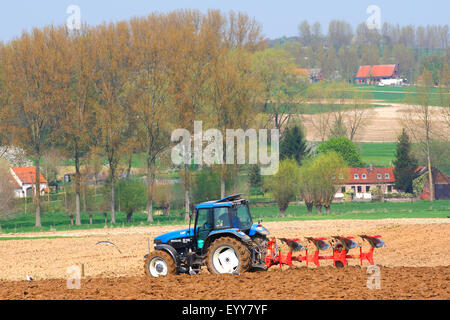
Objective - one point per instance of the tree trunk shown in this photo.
(38, 191)
(83, 194)
(90, 219)
(222, 188)
(309, 206)
(106, 218)
(282, 212)
(77, 190)
(328, 209)
(129, 214)
(427, 141)
(149, 190)
(130, 161)
(186, 193)
(222, 182)
(166, 210)
(319, 209)
(113, 196)
(430, 173)
(78, 210)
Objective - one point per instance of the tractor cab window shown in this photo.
(221, 218)
(205, 223)
(240, 217)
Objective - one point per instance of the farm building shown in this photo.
(441, 184)
(24, 179)
(374, 74)
(360, 180)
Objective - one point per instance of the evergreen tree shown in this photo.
(254, 176)
(293, 144)
(404, 164)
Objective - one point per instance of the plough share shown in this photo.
(339, 245)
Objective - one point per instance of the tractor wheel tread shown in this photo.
(241, 248)
(172, 268)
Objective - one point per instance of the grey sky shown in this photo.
(280, 17)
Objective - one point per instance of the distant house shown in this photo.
(24, 179)
(441, 184)
(314, 75)
(373, 74)
(360, 180)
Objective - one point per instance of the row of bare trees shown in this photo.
(340, 110)
(123, 87)
(341, 33)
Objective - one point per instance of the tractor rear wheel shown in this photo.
(228, 255)
(159, 263)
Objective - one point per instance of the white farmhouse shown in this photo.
(25, 181)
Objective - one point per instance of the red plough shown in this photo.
(339, 245)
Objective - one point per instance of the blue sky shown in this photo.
(278, 17)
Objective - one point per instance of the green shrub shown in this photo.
(131, 196)
(205, 185)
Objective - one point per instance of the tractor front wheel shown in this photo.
(228, 255)
(159, 263)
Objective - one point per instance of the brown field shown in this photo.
(384, 124)
(414, 265)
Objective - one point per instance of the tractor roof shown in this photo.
(225, 202)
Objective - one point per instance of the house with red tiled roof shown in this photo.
(25, 181)
(373, 74)
(360, 180)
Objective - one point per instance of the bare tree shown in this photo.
(352, 110)
(420, 121)
(6, 190)
(36, 82)
(321, 117)
(357, 116)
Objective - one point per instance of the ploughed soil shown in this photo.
(294, 283)
(414, 265)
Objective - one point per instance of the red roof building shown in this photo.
(25, 181)
(441, 184)
(362, 179)
(376, 73)
(27, 175)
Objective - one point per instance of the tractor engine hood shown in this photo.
(258, 229)
(178, 234)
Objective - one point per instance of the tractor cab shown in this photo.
(230, 214)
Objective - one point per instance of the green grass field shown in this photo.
(24, 223)
(390, 94)
(379, 154)
(360, 210)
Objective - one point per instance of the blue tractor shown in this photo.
(224, 239)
